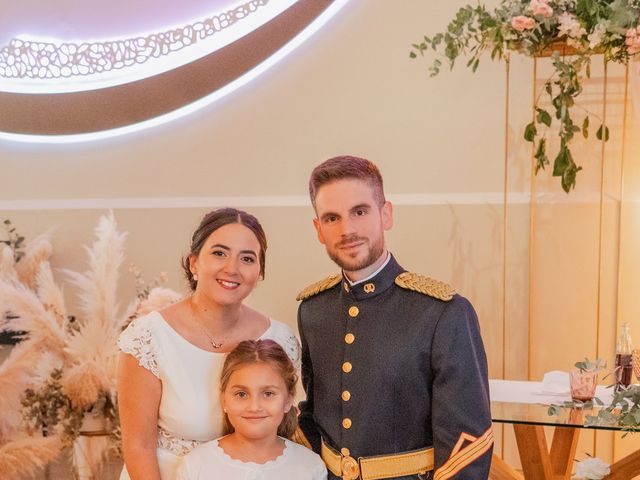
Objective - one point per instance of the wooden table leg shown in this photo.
(626, 468)
(532, 446)
(500, 470)
(563, 451)
(540, 464)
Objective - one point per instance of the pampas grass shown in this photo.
(26, 457)
(37, 252)
(15, 375)
(83, 348)
(159, 298)
(83, 383)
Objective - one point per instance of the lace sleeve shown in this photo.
(136, 340)
(289, 342)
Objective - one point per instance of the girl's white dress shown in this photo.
(210, 461)
(189, 412)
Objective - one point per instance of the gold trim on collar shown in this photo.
(318, 287)
(427, 285)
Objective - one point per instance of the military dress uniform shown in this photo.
(395, 374)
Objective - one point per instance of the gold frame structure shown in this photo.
(564, 50)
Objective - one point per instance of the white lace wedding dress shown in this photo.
(189, 412)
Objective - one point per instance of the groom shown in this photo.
(393, 364)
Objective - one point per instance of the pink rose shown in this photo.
(522, 23)
(541, 7)
(633, 40)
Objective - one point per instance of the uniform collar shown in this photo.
(376, 284)
(378, 270)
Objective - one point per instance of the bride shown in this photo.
(171, 360)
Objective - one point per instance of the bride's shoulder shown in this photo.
(282, 333)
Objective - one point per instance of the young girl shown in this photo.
(257, 386)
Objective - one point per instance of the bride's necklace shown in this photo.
(215, 345)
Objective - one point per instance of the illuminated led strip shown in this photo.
(309, 31)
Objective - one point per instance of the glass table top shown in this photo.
(538, 414)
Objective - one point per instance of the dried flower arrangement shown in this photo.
(63, 371)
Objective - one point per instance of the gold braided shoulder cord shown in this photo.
(318, 287)
(427, 285)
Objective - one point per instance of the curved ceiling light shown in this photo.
(107, 103)
(30, 64)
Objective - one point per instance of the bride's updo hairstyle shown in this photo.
(269, 352)
(211, 222)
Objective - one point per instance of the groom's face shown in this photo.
(350, 223)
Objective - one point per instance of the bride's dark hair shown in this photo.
(214, 220)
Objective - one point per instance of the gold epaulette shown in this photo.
(320, 286)
(427, 285)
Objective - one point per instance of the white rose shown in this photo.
(592, 469)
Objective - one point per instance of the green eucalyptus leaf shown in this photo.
(606, 133)
(530, 132)
(541, 155)
(568, 179)
(554, 409)
(561, 162)
(547, 87)
(543, 117)
(585, 127)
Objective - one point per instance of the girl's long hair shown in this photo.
(269, 352)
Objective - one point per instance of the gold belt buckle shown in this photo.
(350, 468)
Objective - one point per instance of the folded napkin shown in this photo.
(555, 382)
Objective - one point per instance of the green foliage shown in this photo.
(601, 28)
(46, 408)
(588, 366)
(623, 411)
(50, 410)
(14, 240)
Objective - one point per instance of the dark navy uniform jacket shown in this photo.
(388, 369)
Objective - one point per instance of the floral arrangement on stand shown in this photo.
(61, 376)
(570, 32)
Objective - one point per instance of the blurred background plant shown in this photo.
(58, 383)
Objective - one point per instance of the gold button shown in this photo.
(369, 288)
(354, 311)
(345, 452)
(346, 396)
(347, 367)
(349, 338)
(346, 423)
